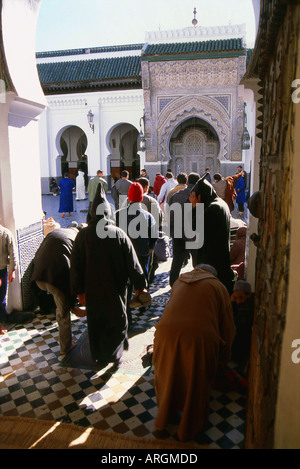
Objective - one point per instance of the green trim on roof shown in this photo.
(88, 50)
(179, 48)
(211, 55)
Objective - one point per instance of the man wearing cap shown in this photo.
(243, 313)
(139, 224)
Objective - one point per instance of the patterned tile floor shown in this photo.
(34, 381)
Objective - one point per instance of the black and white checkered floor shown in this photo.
(36, 382)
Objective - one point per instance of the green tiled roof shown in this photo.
(90, 73)
(125, 71)
(90, 50)
(221, 45)
(195, 50)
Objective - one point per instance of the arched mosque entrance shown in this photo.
(194, 146)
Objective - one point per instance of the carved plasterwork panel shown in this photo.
(237, 156)
(190, 73)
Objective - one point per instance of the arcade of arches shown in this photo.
(123, 151)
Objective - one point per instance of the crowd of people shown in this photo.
(103, 269)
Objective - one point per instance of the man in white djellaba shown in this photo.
(80, 186)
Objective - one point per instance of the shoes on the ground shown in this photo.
(145, 298)
(3, 330)
(135, 303)
(79, 311)
(140, 301)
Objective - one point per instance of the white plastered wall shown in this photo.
(110, 108)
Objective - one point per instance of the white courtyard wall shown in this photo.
(110, 108)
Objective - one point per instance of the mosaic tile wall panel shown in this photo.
(28, 240)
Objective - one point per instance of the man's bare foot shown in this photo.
(71, 348)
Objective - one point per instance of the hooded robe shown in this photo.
(100, 268)
(51, 262)
(216, 247)
(194, 334)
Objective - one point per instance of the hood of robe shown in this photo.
(160, 177)
(206, 190)
(100, 198)
(195, 275)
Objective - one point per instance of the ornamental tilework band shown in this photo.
(164, 102)
(28, 239)
(224, 100)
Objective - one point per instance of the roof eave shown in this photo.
(90, 85)
(191, 56)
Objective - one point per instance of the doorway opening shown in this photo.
(73, 143)
(124, 155)
(194, 146)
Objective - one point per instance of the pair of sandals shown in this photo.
(141, 301)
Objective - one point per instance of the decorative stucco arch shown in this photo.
(203, 107)
(61, 132)
(111, 130)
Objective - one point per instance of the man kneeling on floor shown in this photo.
(103, 260)
(192, 340)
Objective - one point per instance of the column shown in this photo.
(20, 107)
